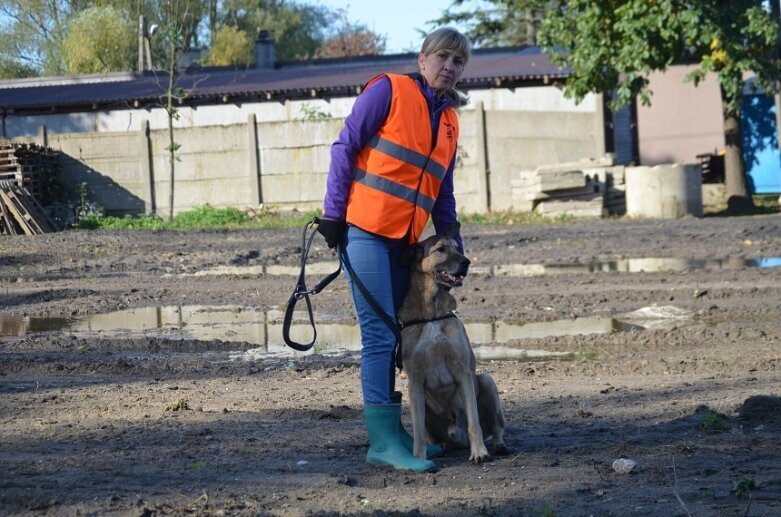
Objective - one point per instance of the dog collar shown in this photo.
(405, 324)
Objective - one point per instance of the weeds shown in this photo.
(548, 511)
(763, 204)
(179, 405)
(197, 465)
(510, 218)
(202, 217)
(743, 487)
(712, 421)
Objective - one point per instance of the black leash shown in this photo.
(392, 325)
(301, 291)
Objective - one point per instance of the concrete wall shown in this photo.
(110, 165)
(519, 141)
(284, 164)
(535, 98)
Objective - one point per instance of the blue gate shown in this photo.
(760, 144)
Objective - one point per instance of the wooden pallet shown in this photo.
(7, 226)
(26, 211)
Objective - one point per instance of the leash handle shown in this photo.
(301, 292)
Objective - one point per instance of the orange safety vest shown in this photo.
(398, 174)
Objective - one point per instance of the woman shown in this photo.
(392, 168)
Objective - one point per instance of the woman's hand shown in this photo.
(332, 230)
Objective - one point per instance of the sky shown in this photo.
(395, 19)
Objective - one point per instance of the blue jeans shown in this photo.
(376, 261)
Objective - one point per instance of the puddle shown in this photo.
(630, 265)
(321, 269)
(197, 329)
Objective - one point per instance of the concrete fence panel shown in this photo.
(108, 163)
(519, 140)
(212, 167)
(285, 163)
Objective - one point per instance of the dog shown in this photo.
(449, 402)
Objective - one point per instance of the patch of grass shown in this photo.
(197, 465)
(713, 421)
(514, 218)
(209, 217)
(548, 511)
(203, 217)
(763, 204)
(743, 487)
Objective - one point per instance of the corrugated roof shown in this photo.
(325, 78)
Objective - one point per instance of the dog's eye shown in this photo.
(439, 250)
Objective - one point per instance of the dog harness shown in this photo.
(398, 173)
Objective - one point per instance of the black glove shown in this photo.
(332, 230)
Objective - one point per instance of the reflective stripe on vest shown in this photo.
(398, 174)
(408, 155)
(394, 189)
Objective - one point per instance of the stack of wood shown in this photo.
(24, 171)
(21, 213)
(587, 188)
(28, 165)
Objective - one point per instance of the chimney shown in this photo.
(265, 53)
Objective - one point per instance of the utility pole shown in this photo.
(141, 38)
(144, 44)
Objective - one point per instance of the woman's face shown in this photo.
(442, 69)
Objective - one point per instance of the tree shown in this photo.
(100, 39)
(497, 23)
(613, 47)
(350, 39)
(33, 32)
(298, 29)
(10, 69)
(230, 46)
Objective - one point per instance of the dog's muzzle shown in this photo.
(454, 279)
(449, 280)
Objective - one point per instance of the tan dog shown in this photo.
(448, 401)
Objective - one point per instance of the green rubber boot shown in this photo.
(432, 450)
(385, 447)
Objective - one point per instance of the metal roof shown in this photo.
(322, 78)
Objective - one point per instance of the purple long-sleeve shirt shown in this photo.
(367, 117)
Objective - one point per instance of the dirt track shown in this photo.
(152, 422)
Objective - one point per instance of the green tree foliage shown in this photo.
(230, 46)
(497, 23)
(32, 33)
(100, 39)
(614, 46)
(350, 39)
(10, 69)
(298, 29)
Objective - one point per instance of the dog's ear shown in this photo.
(411, 254)
(453, 230)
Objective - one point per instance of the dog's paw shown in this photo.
(501, 449)
(478, 454)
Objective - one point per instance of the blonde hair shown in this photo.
(449, 39)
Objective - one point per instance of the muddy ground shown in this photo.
(156, 423)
